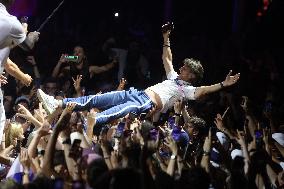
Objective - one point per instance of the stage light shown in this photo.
(116, 14)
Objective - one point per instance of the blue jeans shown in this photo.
(115, 104)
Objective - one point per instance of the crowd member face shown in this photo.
(186, 74)
(79, 51)
(50, 88)
(191, 130)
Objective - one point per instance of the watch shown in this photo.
(67, 141)
(173, 157)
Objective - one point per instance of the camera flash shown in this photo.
(116, 14)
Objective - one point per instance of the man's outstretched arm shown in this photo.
(204, 90)
(15, 71)
(167, 53)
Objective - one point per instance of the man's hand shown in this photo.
(62, 58)
(77, 83)
(27, 80)
(24, 112)
(3, 80)
(32, 38)
(167, 28)
(231, 80)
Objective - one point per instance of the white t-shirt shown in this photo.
(11, 34)
(172, 90)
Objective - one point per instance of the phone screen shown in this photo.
(258, 134)
(75, 150)
(119, 130)
(132, 116)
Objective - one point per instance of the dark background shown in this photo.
(220, 33)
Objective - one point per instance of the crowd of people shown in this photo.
(81, 128)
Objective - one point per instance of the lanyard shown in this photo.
(180, 87)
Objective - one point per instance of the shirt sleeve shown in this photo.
(190, 92)
(5, 31)
(17, 33)
(172, 75)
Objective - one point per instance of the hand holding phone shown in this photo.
(119, 130)
(76, 150)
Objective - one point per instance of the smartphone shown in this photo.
(168, 27)
(119, 130)
(143, 116)
(71, 58)
(76, 150)
(132, 116)
(127, 133)
(258, 134)
(153, 134)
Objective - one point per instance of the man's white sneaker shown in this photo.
(49, 102)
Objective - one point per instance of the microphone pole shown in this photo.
(49, 17)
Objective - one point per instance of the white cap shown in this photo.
(77, 135)
(223, 139)
(236, 152)
(279, 137)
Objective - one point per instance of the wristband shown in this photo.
(206, 153)
(173, 157)
(165, 45)
(67, 141)
(177, 114)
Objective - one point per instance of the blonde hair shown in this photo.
(15, 130)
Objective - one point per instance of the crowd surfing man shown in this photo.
(12, 33)
(157, 98)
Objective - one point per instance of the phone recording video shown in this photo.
(119, 130)
(132, 116)
(258, 134)
(71, 58)
(76, 150)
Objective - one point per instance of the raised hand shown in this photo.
(122, 84)
(77, 83)
(231, 79)
(3, 80)
(171, 143)
(207, 143)
(219, 123)
(62, 58)
(24, 160)
(23, 112)
(27, 80)
(167, 28)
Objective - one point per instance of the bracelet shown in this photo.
(67, 141)
(107, 157)
(177, 114)
(206, 153)
(165, 45)
(222, 86)
(173, 157)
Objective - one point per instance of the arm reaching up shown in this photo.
(167, 53)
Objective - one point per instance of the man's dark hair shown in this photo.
(199, 124)
(95, 170)
(196, 68)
